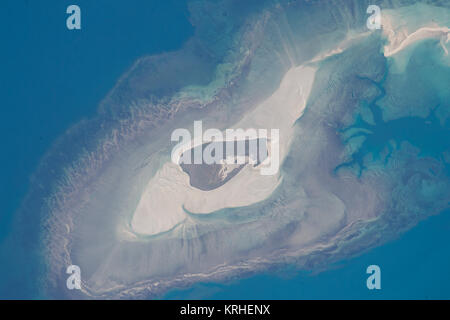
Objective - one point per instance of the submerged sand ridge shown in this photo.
(169, 192)
(402, 32)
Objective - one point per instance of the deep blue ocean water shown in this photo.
(415, 266)
(52, 77)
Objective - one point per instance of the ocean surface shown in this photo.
(415, 266)
(52, 78)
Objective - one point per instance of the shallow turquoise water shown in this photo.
(428, 133)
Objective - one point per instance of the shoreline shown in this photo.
(170, 187)
(418, 35)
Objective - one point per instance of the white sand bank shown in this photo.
(161, 205)
(411, 24)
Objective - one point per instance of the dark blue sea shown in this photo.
(52, 77)
(415, 266)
